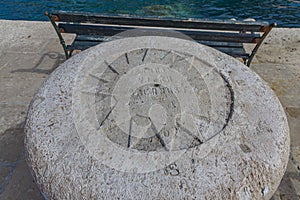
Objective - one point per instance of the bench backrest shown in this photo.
(226, 36)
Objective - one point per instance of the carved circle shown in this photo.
(188, 110)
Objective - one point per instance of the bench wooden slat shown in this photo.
(81, 17)
(222, 44)
(234, 52)
(107, 38)
(102, 30)
(91, 38)
(83, 45)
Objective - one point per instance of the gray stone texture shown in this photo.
(228, 134)
(27, 57)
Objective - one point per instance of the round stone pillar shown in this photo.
(156, 118)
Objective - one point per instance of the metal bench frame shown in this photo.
(226, 36)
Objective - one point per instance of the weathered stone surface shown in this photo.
(97, 126)
(28, 53)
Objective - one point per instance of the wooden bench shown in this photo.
(226, 36)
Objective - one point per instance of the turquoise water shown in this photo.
(285, 12)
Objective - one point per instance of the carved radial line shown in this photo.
(178, 53)
(144, 55)
(180, 59)
(189, 132)
(111, 68)
(129, 133)
(107, 115)
(165, 55)
(173, 58)
(127, 60)
(98, 95)
(192, 63)
(162, 142)
(100, 100)
(154, 129)
(115, 125)
(98, 78)
(207, 73)
(201, 117)
(209, 121)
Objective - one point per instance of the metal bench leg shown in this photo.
(267, 31)
(70, 53)
(61, 39)
(245, 61)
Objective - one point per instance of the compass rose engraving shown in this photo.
(151, 102)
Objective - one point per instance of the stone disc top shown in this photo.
(156, 118)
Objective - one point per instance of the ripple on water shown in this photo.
(285, 12)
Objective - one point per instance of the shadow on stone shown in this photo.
(14, 172)
(57, 57)
(12, 151)
(286, 189)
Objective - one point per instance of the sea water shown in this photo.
(286, 13)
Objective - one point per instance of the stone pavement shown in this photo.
(29, 51)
